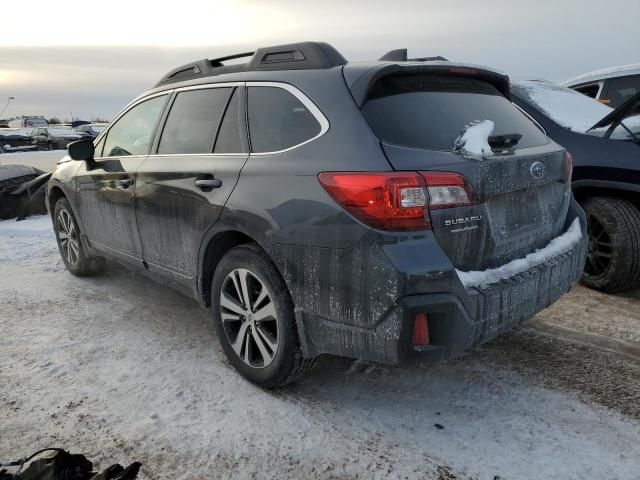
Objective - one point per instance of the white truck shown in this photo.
(28, 122)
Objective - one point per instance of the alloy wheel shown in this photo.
(249, 318)
(600, 249)
(68, 237)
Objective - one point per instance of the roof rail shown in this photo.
(400, 55)
(294, 56)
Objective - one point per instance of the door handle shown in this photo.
(208, 183)
(124, 183)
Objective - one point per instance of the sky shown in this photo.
(90, 59)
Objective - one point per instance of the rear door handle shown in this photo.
(124, 183)
(208, 183)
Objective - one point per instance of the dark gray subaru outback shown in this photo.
(390, 211)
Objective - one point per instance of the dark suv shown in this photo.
(319, 206)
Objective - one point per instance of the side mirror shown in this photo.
(82, 150)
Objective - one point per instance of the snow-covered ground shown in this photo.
(44, 160)
(122, 369)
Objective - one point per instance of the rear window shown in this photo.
(429, 112)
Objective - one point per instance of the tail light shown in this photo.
(569, 160)
(397, 201)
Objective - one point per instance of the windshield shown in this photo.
(564, 106)
(628, 130)
(429, 111)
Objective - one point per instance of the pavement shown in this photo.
(44, 160)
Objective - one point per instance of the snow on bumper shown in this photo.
(558, 245)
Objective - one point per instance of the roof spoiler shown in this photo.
(400, 55)
(293, 56)
(361, 86)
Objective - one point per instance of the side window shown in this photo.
(231, 131)
(589, 90)
(132, 133)
(193, 120)
(278, 120)
(622, 89)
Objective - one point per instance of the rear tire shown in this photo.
(254, 319)
(71, 248)
(613, 260)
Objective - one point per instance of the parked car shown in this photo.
(611, 86)
(318, 206)
(16, 140)
(91, 130)
(54, 138)
(22, 191)
(605, 145)
(27, 121)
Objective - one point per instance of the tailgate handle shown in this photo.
(208, 183)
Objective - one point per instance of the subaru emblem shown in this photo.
(537, 169)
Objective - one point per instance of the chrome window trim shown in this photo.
(531, 118)
(210, 85)
(154, 155)
(306, 101)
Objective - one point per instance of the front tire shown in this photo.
(254, 319)
(71, 248)
(613, 260)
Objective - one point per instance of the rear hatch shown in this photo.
(522, 184)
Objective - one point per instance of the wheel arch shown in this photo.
(54, 194)
(211, 253)
(583, 190)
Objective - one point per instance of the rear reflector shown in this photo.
(421, 330)
(397, 201)
(569, 160)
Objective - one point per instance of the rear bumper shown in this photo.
(459, 318)
(494, 309)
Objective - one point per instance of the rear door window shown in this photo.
(429, 111)
(232, 128)
(193, 121)
(589, 90)
(278, 120)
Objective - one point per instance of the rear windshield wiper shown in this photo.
(508, 140)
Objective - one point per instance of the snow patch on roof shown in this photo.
(620, 71)
(474, 140)
(558, 245)
(564, 106)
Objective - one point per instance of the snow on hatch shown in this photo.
(558, 245)
(473, 141)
